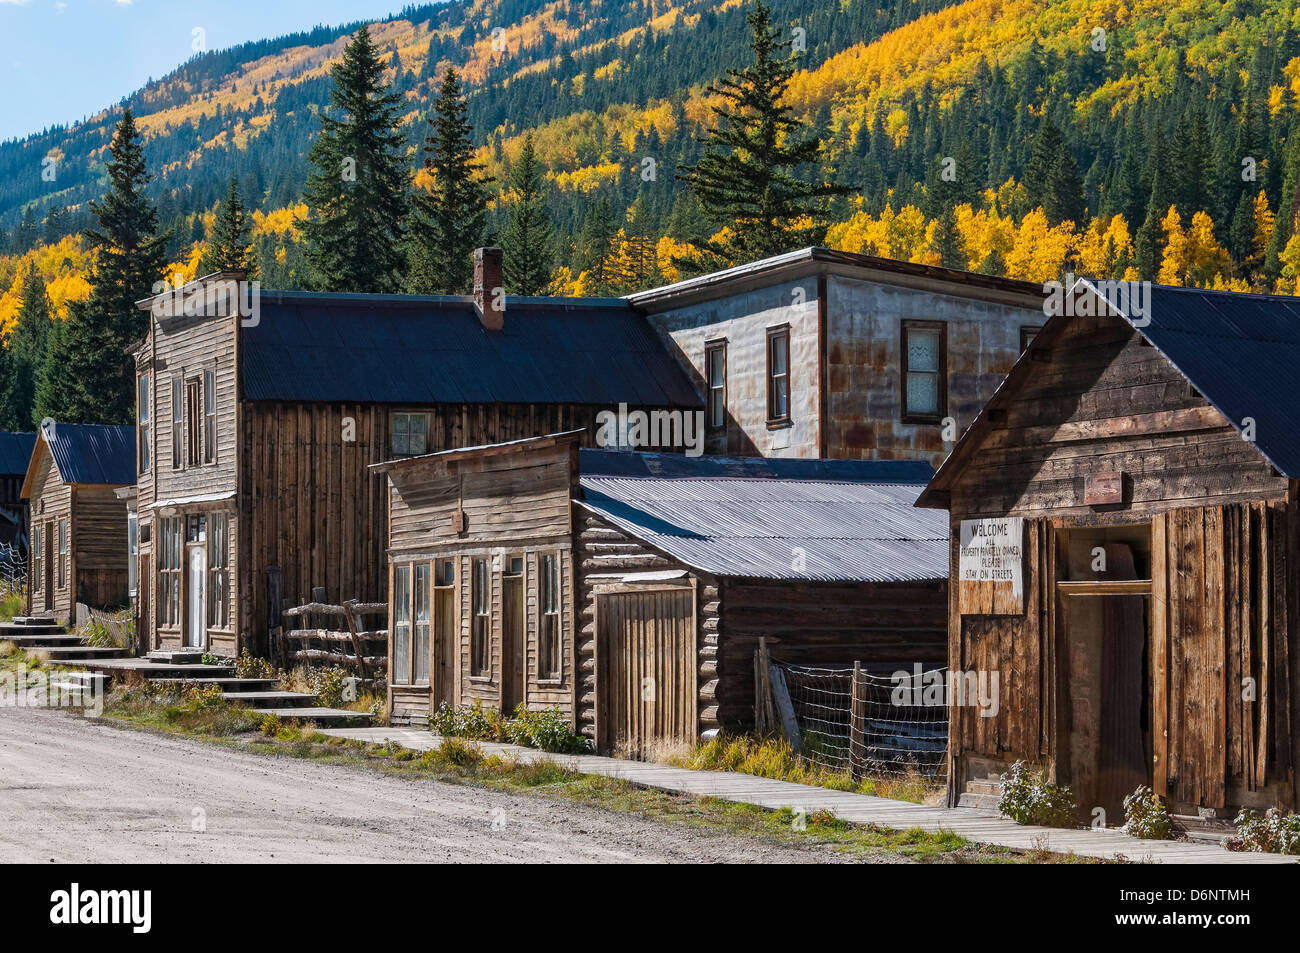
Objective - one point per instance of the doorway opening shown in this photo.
(1105, 742)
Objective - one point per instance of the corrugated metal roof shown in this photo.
(16, 452)
(777, 527)
(92, 453)
(636, 464)
(1239, 350)
(427, 350)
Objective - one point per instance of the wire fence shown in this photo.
(13, 569)
(870, 723)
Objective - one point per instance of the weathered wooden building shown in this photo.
(258, 416)
(1126, 553)
(821, 353)
(15, 454)
(78, 525)
(631, 589)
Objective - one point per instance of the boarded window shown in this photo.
(715, 365)
(778, 374)
(480, 642)
(209, 416)
(170, 535)
(422, 579)
(924, 385)
(549, 645)
(178, 421)
(218, 570)
(402, 625)
(62, 565)
(142, 425)
(409, 434)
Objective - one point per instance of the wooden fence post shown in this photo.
(857, 722)
(356, 640)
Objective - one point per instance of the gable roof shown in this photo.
(854, 521)
(94, 454)
(1238, 350)
(16, 452)
(414, 349)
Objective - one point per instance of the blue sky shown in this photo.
(62, 60)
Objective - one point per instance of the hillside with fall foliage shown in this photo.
(1171, 119)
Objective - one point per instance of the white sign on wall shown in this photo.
(991, 565)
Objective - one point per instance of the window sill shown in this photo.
(551, 682)
(924, 421)
(481, 679)
(779, 423)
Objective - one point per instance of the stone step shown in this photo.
(33, 620)
(272, 699)
(980, 802)
(335, 715)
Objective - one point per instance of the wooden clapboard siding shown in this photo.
(516, 505)
(1100, 400)
(51, 501)
(98, 546)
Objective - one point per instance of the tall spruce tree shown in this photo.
(748, 178)
(21, 360)
(89, 376)
(528, 245)
(356, 190)
(230, 246)
(451, 218)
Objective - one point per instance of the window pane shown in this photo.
(422, 580)
(402, 625)
(778, 353)
(922, 350)
(780, 398)
(418, 442)
(923, 393)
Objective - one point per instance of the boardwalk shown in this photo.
(859, 808)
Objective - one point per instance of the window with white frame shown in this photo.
(170, 543)
(142, 426)
(402, 625)
(549, 640)
(218, 529)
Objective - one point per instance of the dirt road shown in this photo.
(73, 790)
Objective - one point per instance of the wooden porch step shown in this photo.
(72, 653)
(335, 715)
(176, 656)
(228, 683)
(980, 802)
(52, 640)
(10, 630)
(272, 699)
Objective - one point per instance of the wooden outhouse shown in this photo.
(78, 524)
(1125, 553)
(536, 572)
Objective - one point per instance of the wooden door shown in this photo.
(144, 624)
(512, 641)
(195, 589)
(646, 683)
(446, 640)
(51, 554)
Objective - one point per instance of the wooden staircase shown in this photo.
(982, 794)
(98, 665)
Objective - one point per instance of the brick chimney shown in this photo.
(489, 293)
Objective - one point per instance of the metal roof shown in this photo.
(817, 528)
(16, 452)
(408, 349)
(1240, 351)
(636, 464)
(92, 453)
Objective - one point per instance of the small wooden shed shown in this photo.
(1126, 553)
(539, 573)
(78, 532)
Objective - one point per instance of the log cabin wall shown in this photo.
(1223, 556)
(823, 623)
(493, 507)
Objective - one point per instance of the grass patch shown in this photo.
(774, 758)
(11, 604)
